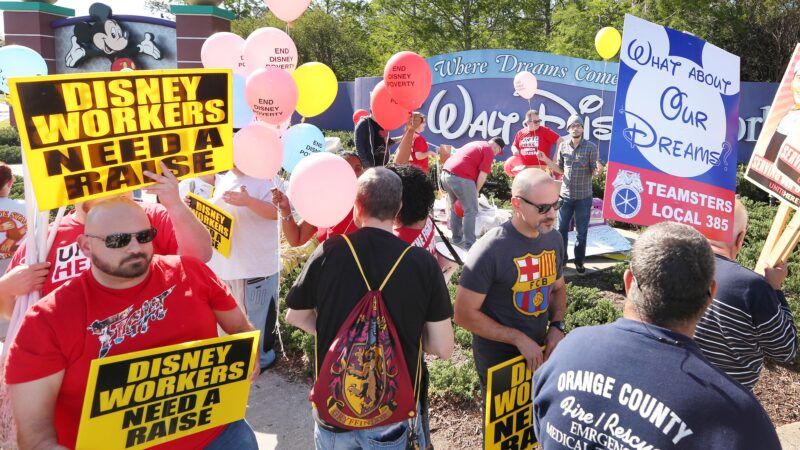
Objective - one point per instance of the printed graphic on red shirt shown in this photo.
(535, 277)
(529, 145)
(128, 323)
(12, 231)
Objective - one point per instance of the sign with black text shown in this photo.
(509, 407)
(91, 135)
(218, 222)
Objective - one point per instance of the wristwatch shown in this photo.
(558, 325)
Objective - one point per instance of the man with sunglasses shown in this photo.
(642, 382)
(512, 295)
(532, 139)
(179, 233)
(463, 176)
(578, 161)
(129, 300)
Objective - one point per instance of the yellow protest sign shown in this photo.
(509, 407)
(90, 135)
(145, 398)
(218, 221)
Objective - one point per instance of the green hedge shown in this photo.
(10, 154)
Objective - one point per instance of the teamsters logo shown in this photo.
(626, 200)
(535, 275)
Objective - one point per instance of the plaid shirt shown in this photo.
(578, 164)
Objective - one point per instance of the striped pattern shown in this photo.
(547, 263)
(731, 341)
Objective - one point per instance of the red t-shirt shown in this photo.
(84, 320)
(347, 225)
(471, 159)
(420, 145)
(530, 142)
(419, 238)
(66, 259)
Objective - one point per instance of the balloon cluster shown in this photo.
(268, 87)
(407, 81)
(19, 61)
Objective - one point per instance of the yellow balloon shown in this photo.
(607, 42)
(316, 88)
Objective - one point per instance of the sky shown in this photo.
(81, 7)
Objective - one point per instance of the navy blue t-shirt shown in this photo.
(626, 386)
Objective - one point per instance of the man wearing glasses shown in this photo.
(179, 233)
(532, 140)
(511, 295)
(578, 160)
(129, 300)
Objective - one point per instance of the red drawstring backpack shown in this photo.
(363, 382)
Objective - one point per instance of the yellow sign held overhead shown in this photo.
(146, 398)
(91, 135)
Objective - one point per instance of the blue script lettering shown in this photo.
(456, 66)
(642, 135)
(672, 108)
(645, 57)
(718, 83)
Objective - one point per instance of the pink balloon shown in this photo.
(322, 189)
(359, 114)
(271, 94)
(525, 85)
(257, 151)
(386, 111)
(409, 78)
(223, 51)
(270, 47)
(287, 10)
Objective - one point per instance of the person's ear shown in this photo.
(627, 279)
(712, 292)
(740, 239)
(84, 245)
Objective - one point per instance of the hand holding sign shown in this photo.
(166, 187)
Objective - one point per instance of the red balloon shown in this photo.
(386, 111)
(359, 114)
(408, 77)
(513, 166)
(459, 209)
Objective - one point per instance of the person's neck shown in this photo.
(371, 222)
(724, 251)
(686, 328)
(114, 282)
(523, 227)
(576, 140)
(414, 226)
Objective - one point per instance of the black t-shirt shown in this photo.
(330, 282)
(626, 386)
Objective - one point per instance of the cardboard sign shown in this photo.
(218, 222)
(146, 398)
(509, 407)
(774, 166)
(91, 135)
(674, 134)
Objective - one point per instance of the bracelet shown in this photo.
(286, 218)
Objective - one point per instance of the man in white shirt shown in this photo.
(252, 270)
(12, 218)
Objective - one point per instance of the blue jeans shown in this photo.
(466, 191)
(261, 305)
(389, 437)
(582, 210)
(236, 435)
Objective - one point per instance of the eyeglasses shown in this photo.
(119, 240)
(543, 209)
(536, 121)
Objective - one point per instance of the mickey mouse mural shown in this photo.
(106, 37)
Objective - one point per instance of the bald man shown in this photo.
(129, 300)
(511, 295)
(749, 318)
(179, 233)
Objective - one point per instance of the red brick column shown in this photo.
(193, 24)
(28, 24)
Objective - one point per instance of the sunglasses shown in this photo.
(536, 121)
(119, 240)
(543, 209)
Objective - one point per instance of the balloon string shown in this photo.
(603, 95)
(303, 120)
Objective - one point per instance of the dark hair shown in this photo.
(379, 193)
(418, 193)
(673, 266)
(5, 174)
(499, 141)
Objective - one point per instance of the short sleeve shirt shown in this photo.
(67, 261)
(470, 160)
(517, 275)
(622, 385)
(530, 143)
(423, 237)
(578, 163)
(12, 229)
(331, 283)
(85, 320)
(420, 145)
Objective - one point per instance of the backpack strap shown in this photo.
(396, 263)
(358, 262)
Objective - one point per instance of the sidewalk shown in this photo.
(790, 436)
(280, 413)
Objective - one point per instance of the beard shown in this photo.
(546, 226)
(133, 266)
